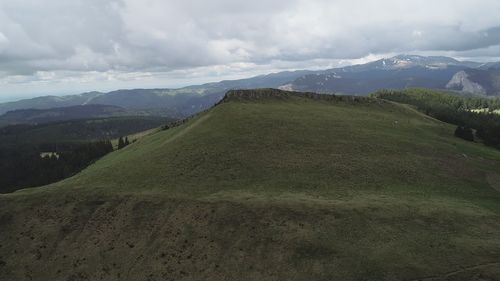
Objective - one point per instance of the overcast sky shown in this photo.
(70, 46)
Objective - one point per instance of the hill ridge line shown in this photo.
(277, 94)
(271, 93)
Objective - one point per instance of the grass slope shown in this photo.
(269, 185)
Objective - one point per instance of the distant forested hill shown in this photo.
(34, 116)
(79, 130)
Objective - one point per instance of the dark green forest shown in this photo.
(32, 165)
(79, 130)
(38, 154)
(475, 113)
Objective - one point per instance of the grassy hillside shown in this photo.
(471, 112)
(269, 185)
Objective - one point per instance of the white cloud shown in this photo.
(166, 38)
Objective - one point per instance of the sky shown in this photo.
(72, 46)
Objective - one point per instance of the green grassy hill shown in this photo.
(269, 185)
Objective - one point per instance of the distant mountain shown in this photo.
(170, 102)
(489, 65)
(477, 81)
(400, 72)
(46, 102)
(37, 116)
(402, 62)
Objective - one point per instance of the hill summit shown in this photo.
(269, 185)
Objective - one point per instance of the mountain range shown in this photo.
(405, 71)
(172, 102)
(399, 72)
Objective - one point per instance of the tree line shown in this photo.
(468, 113)
(122, 142)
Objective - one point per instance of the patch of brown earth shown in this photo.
(494, 180)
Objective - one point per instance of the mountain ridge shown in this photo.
(34, 116)
(399, 72)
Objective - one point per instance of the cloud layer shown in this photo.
(54, 40)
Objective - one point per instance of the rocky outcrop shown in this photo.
(461, 82)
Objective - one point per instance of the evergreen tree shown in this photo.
(121, 143)
(126, 141)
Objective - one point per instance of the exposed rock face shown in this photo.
(286, 87)
(461, 82)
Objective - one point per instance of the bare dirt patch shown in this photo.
(494, 180)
